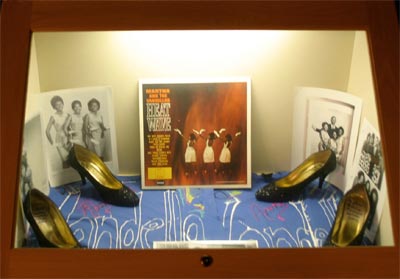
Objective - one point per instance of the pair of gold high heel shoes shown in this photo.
(45, 218)
(353, 210)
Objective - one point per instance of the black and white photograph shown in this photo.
(326, 119)
(371, 159)
(83, 116)
(33, 173)
(33, 163)
(369, 169)
(330, 126)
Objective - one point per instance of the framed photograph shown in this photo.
(322, 119)
(195, 133)
(369, 169)
(83, 116)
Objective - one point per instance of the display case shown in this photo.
(22, 21)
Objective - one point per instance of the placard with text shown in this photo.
(195, 133)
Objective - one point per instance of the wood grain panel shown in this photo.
(18, 18)
(187, 15)
(360, 262)
(385, 65)
(15, 41)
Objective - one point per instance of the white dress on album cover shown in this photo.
(225, 156)
(208, 155)
(190, 153)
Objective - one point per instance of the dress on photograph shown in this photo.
(26, 179)
(95, 141)
(340, 150)
(324, 140)
(76, 131)
(332, 145)
(61, 139)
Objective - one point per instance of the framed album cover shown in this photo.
(195, 133)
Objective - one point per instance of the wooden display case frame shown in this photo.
(20, 18)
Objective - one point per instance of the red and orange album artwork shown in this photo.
(195, 133)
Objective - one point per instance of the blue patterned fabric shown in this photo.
(198, 214)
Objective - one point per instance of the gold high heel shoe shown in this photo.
(89, 165)
(288, 188)
(351, 218)
(47, 222)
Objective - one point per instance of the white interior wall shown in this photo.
(33, 87)
(32, 122)
(275, 61)
(361, 84)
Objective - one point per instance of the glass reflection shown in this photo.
(276, 62)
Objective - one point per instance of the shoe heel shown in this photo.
(321, 180)
(330, 166)
(83, 178)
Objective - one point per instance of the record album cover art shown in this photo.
(195, 133)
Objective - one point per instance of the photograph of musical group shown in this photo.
(208, 165)
(195, 133)
(86, 129)
(82, 116)
(332, 137)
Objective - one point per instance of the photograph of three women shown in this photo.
(76, 116)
